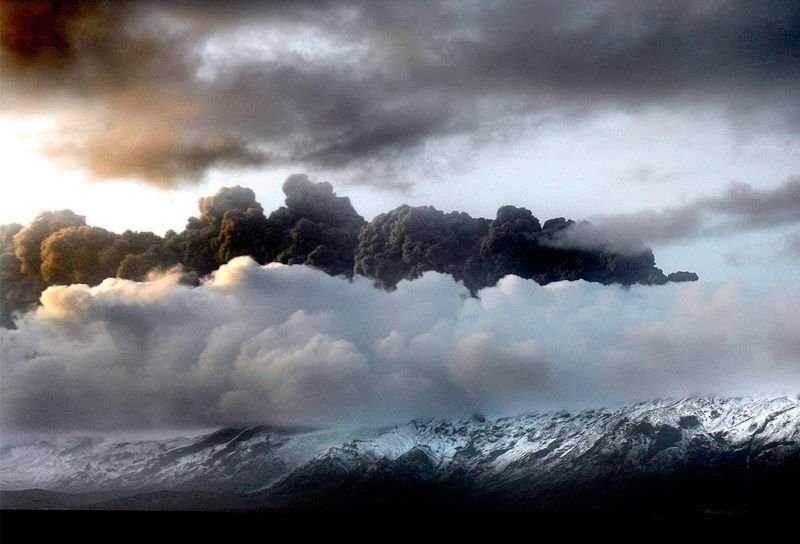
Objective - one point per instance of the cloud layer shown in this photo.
(162, 92)
(290, 344)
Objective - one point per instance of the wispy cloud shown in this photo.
(739, 208)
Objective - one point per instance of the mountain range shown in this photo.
(716, 456)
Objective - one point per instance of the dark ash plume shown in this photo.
(17, 291)
(316, 228)
(404, 243)
(409, 241)
(28, 241)
(682, 275)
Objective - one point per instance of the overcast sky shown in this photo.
(128, 113)
(677, 121)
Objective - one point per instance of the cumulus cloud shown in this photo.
(290, 344)
(482, 368)
(372, 85)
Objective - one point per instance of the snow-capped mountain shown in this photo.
(697, 448)
(231, 459)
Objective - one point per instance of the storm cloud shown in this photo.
(290, 344)
(163, 92)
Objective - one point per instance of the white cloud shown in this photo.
(285, 344)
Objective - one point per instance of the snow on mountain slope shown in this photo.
(234, 459)
(515, 453)
(495, 446)
(542, 455)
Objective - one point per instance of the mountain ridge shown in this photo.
(542, 461)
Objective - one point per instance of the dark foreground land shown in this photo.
(351, 526)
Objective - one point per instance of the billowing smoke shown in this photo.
(406, 242)
(17, 292)
(80, 255)
(164, 91)
(291, 344)
(58, 248)
(322, 228)
(317, 228)
(28, 241)
(21, 260)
